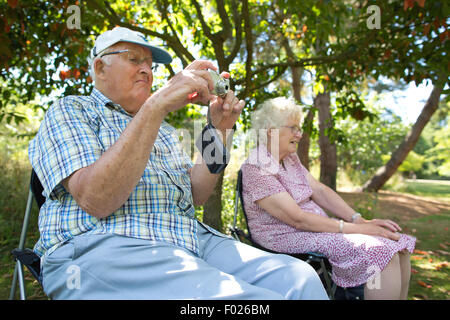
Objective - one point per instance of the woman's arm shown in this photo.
(328, 199)
(283, 207)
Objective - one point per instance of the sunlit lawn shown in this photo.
(438, 190)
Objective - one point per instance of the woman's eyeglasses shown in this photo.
(294, 129)
(134, 58)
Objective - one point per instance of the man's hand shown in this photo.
(195, 78)
(177, 93)
(225, 112)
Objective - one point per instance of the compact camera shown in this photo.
(221, 84)
(209, 144)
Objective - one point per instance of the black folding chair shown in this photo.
(23, 256)
(317, 260)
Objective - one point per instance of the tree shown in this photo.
(437, 154)
(412, 163)
(412, 45)
(368, 142)
(385, 172)
(40, 54)
(328, 153)
(441, 151)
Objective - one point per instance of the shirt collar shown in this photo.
(103, 100)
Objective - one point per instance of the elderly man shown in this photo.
(118, 221)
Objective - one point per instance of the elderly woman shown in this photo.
(285, 210)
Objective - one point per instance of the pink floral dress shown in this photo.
(355, 258)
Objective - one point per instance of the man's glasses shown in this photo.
(294, 129)
(134, 58)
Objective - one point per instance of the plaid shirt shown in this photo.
(76, 131)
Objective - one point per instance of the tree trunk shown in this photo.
(303, 145)
(297, 85)
(385, 172)
(328, 155)
(212, 209)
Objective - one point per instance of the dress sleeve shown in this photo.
(67, 141)
(258, 183)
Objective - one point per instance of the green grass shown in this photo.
(430, 277)
(14, 179)
(432, 189)
(439, 190)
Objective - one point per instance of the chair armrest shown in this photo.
(239, 234)
(30, 259)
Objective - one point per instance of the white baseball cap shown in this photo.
(120, 34)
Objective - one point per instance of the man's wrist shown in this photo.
(157, 105)
(227, 136)
(212, 149)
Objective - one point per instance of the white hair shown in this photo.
(275, 113)
(106, 60)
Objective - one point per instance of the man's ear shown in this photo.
(99, 68)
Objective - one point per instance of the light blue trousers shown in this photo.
(111, 266)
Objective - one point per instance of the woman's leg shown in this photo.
(405, 269)
(389, 285)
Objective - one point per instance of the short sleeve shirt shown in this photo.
(263, 176)
(75, 132)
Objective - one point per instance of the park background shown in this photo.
(371, 76)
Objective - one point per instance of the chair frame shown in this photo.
(23, 256)
(317, 260)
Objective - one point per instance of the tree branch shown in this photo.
(205, 26)
(172, 41)
(299, 63)
(248, 45)
(215, 38)
(177, 46)
(275, 77)
(238, 39)
(226, 25)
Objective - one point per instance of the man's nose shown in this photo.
(145, 67)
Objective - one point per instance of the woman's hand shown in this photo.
(388, 224)
(382, 227)
(376, 227)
